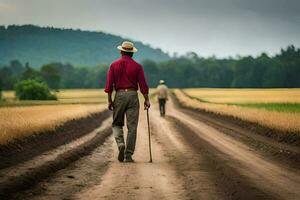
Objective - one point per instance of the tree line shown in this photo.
(55, 75)
(263, 71)
(190, 70)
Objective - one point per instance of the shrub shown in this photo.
(0, 93)
(33, 90)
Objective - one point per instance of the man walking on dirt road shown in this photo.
(126, 76)
(162, 97)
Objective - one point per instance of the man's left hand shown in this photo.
(110, 105)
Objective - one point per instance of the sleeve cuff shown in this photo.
(108, 91)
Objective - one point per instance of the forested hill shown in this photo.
(38, 46)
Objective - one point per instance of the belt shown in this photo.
(126, 90)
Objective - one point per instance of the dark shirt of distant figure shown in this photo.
(126, 73)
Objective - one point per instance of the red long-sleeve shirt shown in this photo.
(125, 73)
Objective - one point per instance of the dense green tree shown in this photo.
(243, 72)
(16, 67)
(259, 69)
(31, 73)
(290, 60)
(33, 90)
(151, 71)
(274, 77)
(10, 74)
(101, 76)
(5, 74)
(51, 74)
(67, 72)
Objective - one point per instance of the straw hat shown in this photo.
(161, 81)
(127, 47)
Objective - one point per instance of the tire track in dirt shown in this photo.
(84, 173)
(25, 175)
(261, 175)
(227, 178)
(192, 167)
(21, 150)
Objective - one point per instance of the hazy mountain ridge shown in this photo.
(39, 45)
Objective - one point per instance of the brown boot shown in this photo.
(128, 158)
(121, 153)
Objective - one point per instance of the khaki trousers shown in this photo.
(126, 103)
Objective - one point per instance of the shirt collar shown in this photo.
(126, 57)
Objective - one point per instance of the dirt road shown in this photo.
(192, 159)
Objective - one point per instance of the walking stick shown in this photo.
(149, 135)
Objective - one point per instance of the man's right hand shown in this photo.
(146, 104)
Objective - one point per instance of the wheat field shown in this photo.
(283, 121)
(16, 122)
(246, 95)
(67, 96)
(23, 118)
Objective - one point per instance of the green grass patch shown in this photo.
(280, 107)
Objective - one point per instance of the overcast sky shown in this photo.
(208, 27)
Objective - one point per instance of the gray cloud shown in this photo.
(220, 27)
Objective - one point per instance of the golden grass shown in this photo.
(8, 95)
(82, 96)
(69, 96)
(277, 120)
(16, 122)
(246, 95)
(81, 93)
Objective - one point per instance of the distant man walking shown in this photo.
(162, 96)
(125, 76)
